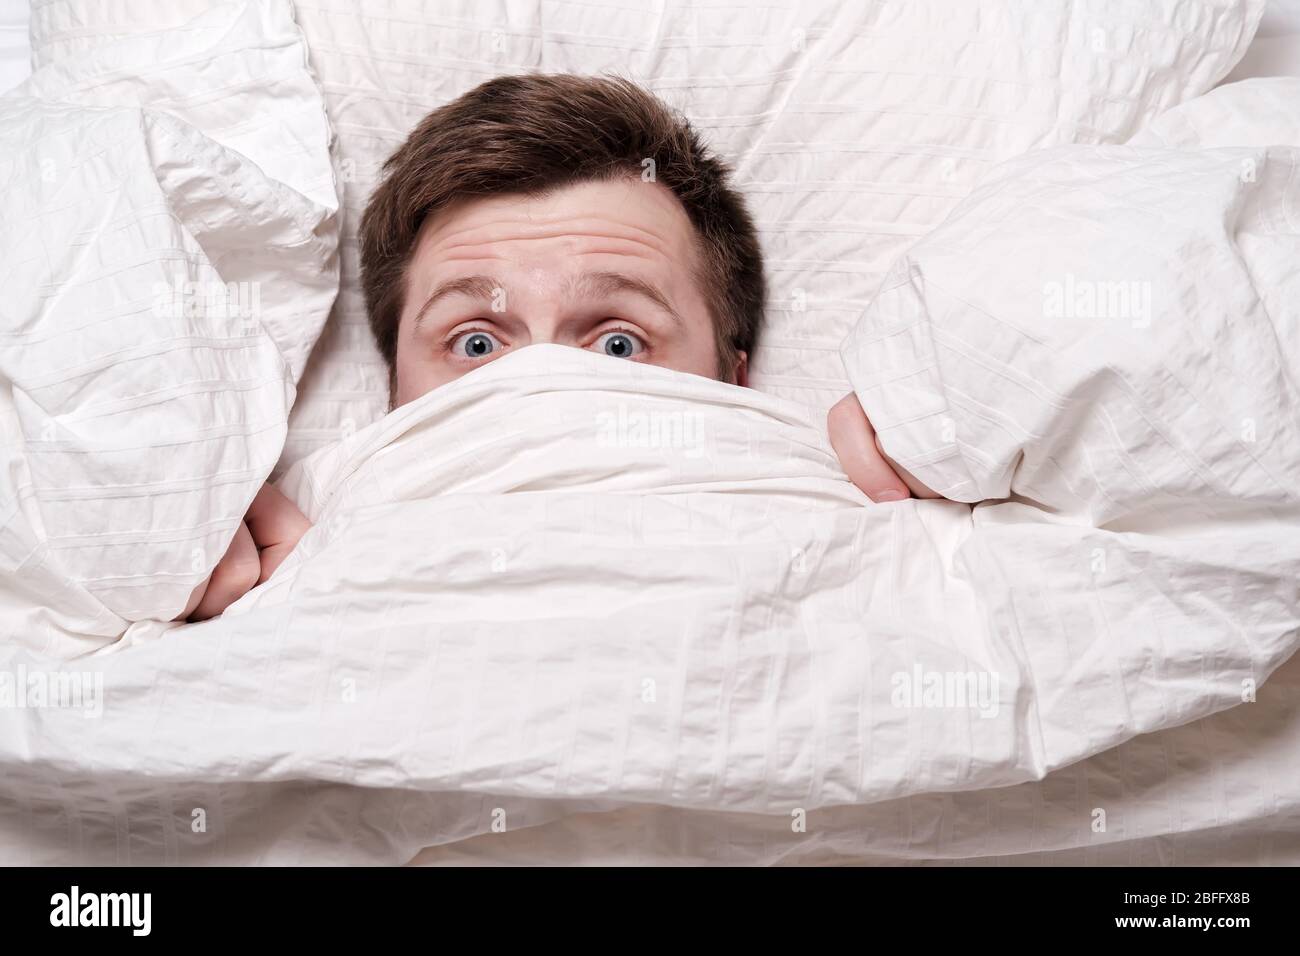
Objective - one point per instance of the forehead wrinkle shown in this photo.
(487, 235)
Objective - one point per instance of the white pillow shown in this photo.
(162, 291)
(854, 127)
(1107, 332)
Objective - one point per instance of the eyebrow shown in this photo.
(589, 283)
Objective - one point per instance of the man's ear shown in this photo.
(742, 369)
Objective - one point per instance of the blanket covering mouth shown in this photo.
(519, 589)
(567, 583)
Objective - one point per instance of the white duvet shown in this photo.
(168, 264)
(567, 584)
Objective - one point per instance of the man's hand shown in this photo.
(862, 458)
(267, 534)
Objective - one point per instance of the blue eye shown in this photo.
(620, 344)
(475, 345)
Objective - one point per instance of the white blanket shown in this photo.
(571, 578)
(566, 583)
(168, 264)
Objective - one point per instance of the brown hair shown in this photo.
(536, 132)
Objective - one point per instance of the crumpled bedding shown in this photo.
(570, 578)
(566, 585)
(169, 262)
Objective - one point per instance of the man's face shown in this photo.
(608, 266)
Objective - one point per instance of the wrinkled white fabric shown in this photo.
(162, 290)
(632, 616)
(1109, 332)
(569, 577)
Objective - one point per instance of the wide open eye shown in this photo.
(475, 345)
(619, 344)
